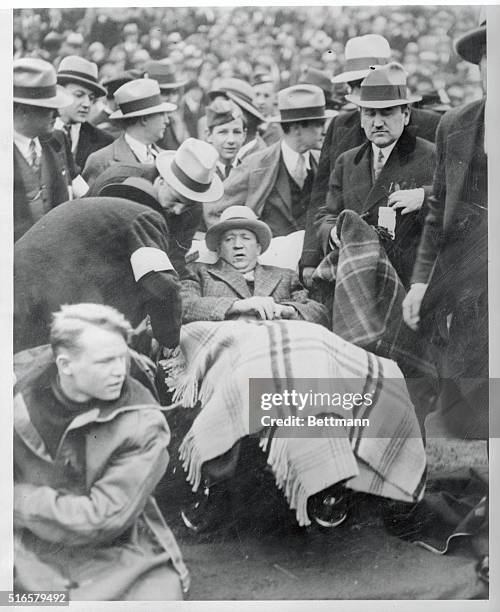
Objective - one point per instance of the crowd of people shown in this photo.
(203, 197)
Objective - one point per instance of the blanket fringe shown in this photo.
(191, 461)
(287, 479)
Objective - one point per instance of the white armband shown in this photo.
(149, 259)
(79, 187)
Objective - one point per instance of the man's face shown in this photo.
(240, 249)
(98, 369)
(172, 202)
(154, 126)
(383, 126)
(311, 136)
(78, 111)
(264, 98)
(228, 139)
(39, 121)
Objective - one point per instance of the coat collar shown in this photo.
(265, 280)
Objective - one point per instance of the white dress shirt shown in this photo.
(291, 158)
(23, 144)
(386, 151)
(145, 153)
(74, 129)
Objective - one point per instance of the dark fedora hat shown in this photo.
(117, 173)
(164, 74)
(134, 188)
(471, 45)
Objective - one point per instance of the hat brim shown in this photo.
(164, 107)
(328, 114)
(470, 45)
(246, 106)
(129, 192)
(97, 89)
(60, 100)
(169, 86)
(212, 194)
(352, 75)
(381, 103)
(259, 228)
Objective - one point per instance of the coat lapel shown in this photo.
(122, 152)
(234, 279)
(282, 186)
(362, 177)
(266, 280)
(262, 178)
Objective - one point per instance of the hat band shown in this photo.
(240, 95)
(311, 112)
(378, 93)
(186, 180)
(77, 75)
(35, 93)
(363, 63)
(140, 104)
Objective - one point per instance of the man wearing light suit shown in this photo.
(276, 182)
(144, 118)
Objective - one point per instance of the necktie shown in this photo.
(151, 153)
(227, 169)
(379, 164)
(300, 172)
(34, 161)
(67, 129)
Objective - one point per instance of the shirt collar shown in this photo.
(23, 144)
(291, 157)
(139, 148)
(386, 151)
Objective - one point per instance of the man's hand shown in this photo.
(412, 303)
(264, 307)
(409, 200)
(283, 311)
(307, 274)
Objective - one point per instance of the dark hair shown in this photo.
(286, 127)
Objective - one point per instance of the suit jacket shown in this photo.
(62, 170)
(258, 183)
(117, 151)
(91, 139)
(209, 290)
(456, 139)
(344, 133)
(411, 164)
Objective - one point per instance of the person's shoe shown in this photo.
(207, 511)
(329, 508)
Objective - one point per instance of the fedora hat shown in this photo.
(301, 103)
(191, 170)
(360, 53)
(138, 98)
(238, 91)
(385, 86)
(238, 217)
(163, 73)
(133, 188)
(471, 45)
(313, 76)
(76, 69)
(35, 84)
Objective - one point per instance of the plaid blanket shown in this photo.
(387, 458)
(368, 297)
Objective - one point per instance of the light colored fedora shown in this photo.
(162, 71)
(471, 45)
(238, 91)
(385, 86)
(76, 69)
(191, 170)
(301, 103)
(35, 84)
(360, 53)
(238, 217)
(140, 97)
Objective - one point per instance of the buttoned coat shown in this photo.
(62, 170)
(410, 165)
(209, 290)
(114, 153)
(344, 133)
(456, 139)
(261, 181)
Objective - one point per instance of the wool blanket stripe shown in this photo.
(387, 458)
